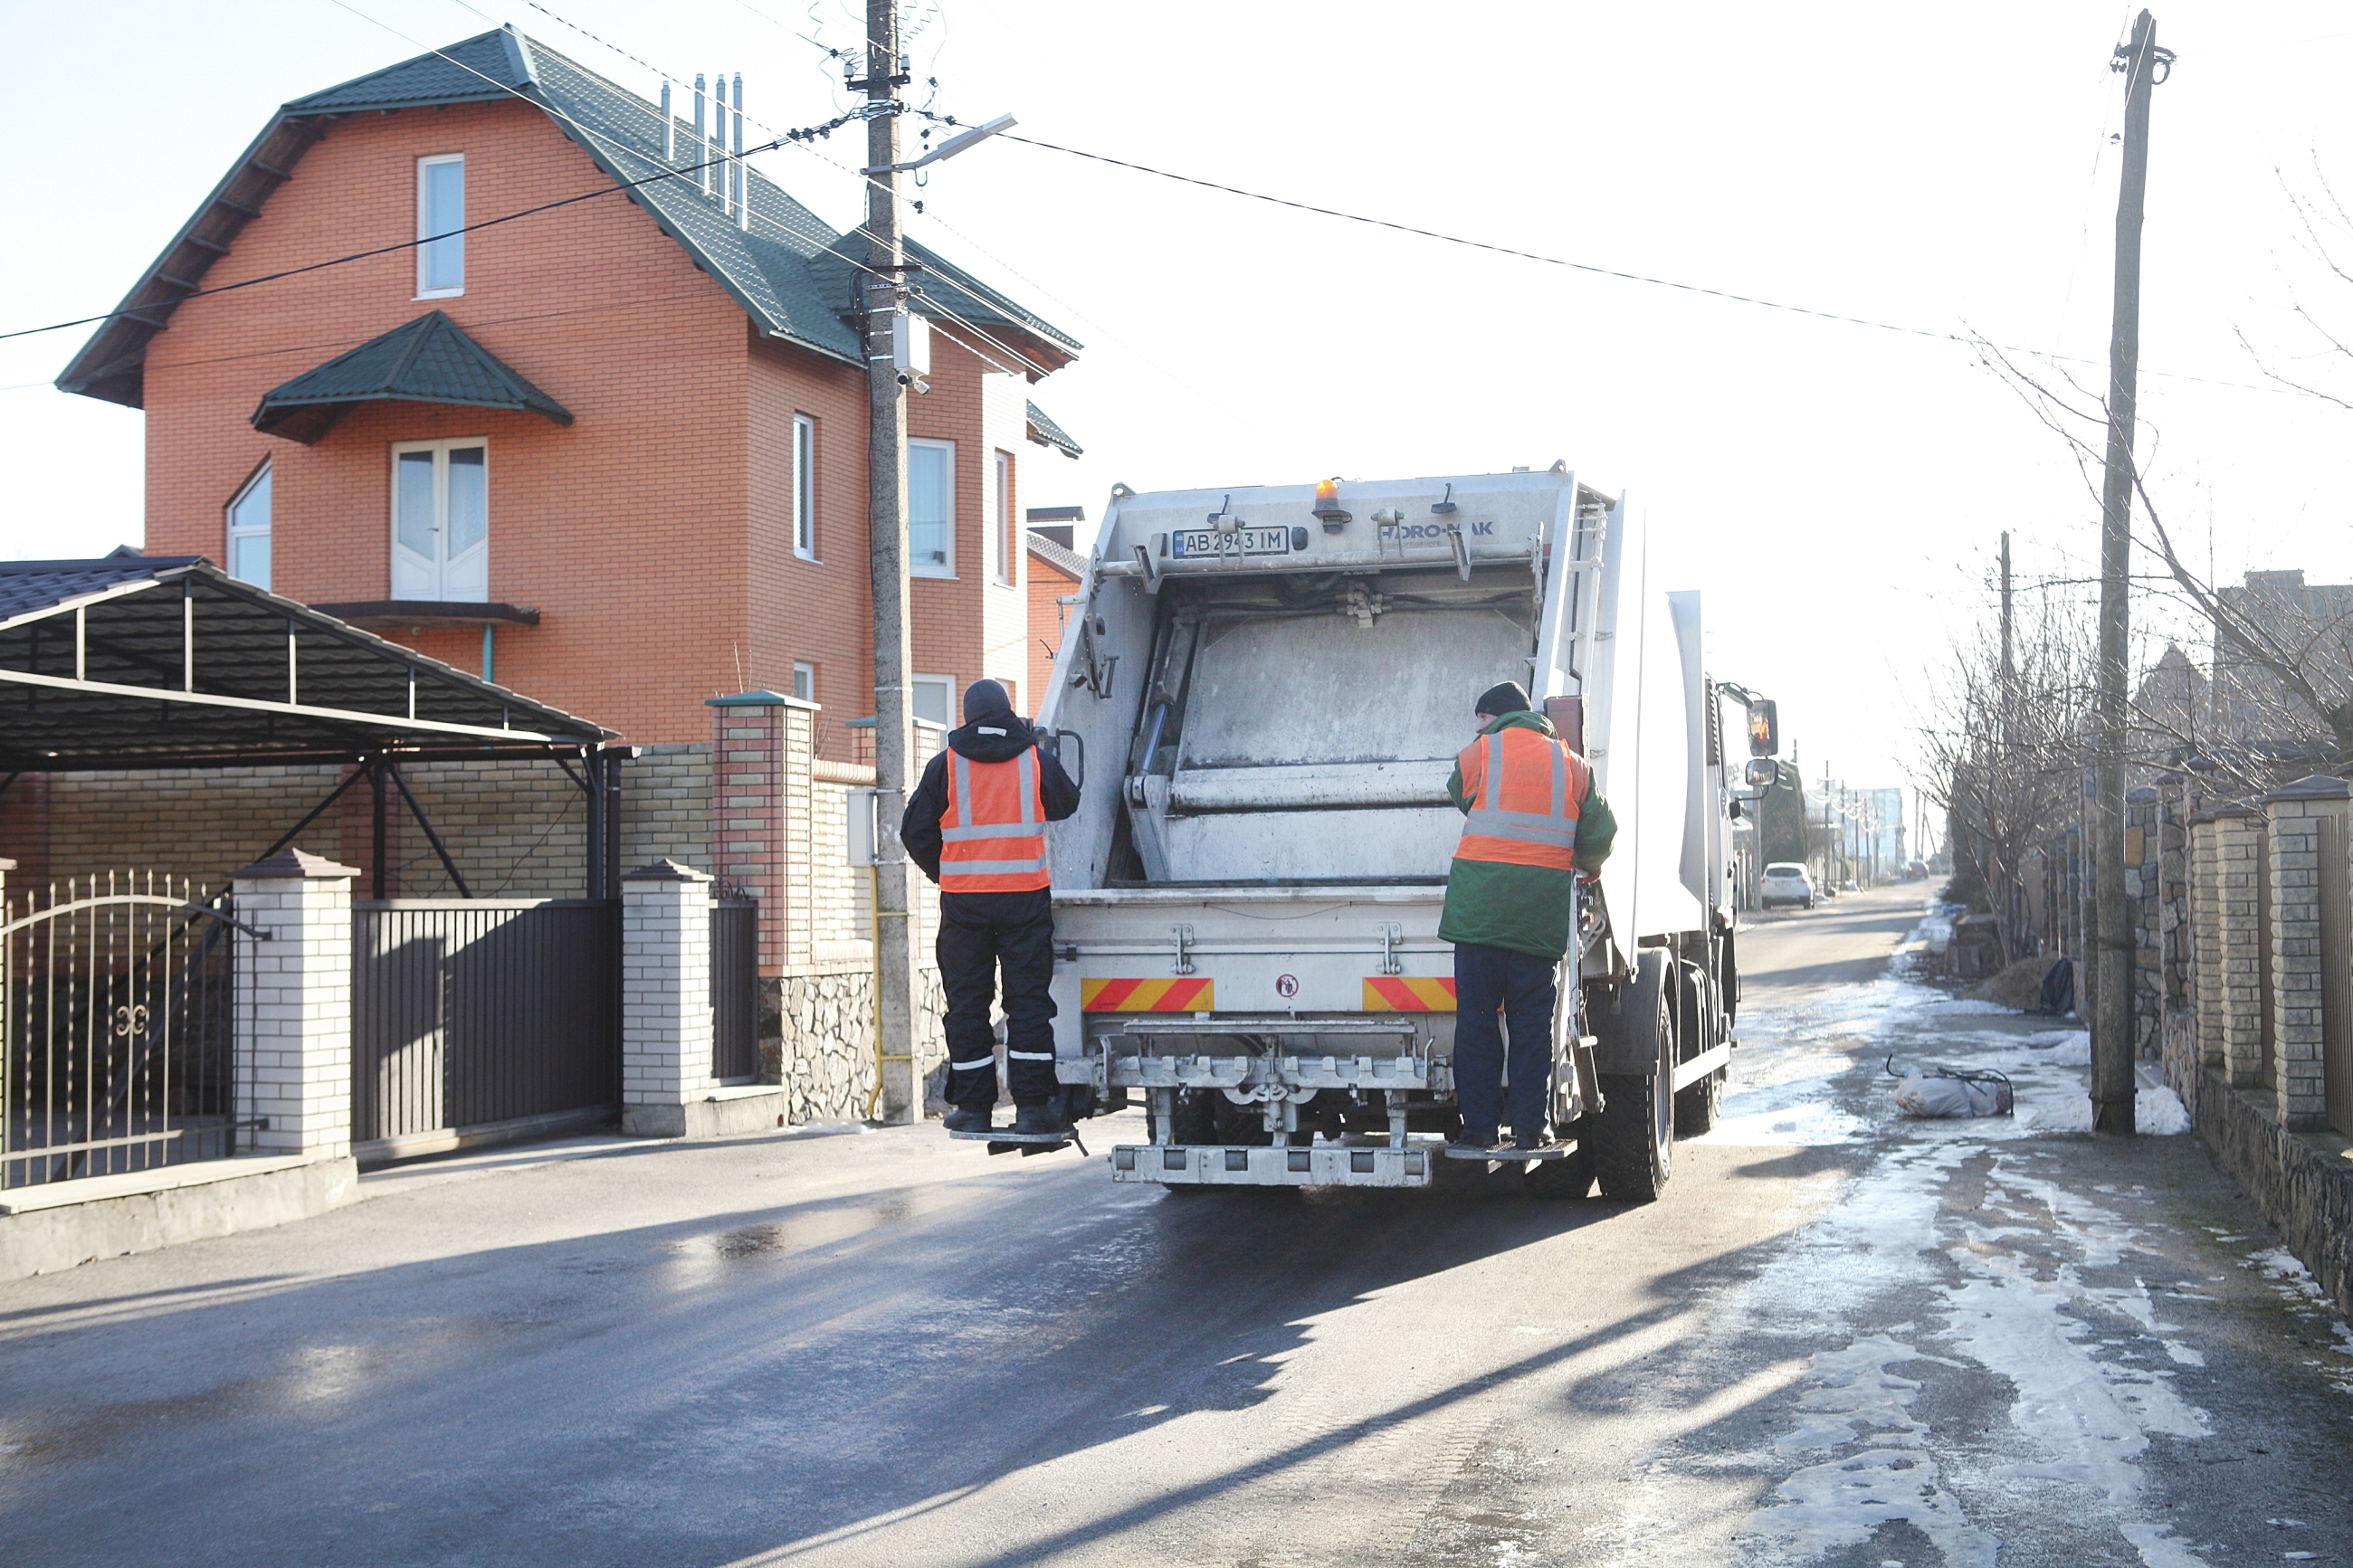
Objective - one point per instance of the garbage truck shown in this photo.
(1264, 690)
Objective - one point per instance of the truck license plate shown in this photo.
(1194, 542)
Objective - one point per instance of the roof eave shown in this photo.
(111, 363)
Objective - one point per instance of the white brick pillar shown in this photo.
(665, 997)
(2298, 951)
(294, 1000)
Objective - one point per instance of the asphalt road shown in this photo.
(1841, 1338)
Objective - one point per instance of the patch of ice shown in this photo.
(1971, 1006)
(1853, 1399)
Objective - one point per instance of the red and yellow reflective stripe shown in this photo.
(1146, 996)
(1409, 993)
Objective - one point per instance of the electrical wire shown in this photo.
(1593, 268)
(822, 240)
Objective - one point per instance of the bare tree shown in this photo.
(2006, 750)
(2282, 696)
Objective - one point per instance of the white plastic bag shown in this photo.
(1940, 1096)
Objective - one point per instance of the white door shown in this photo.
(441, 521)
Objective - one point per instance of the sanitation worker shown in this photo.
(1533, 822)
(976, 825)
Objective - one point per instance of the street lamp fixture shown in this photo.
(949, 148)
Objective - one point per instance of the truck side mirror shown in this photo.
(1764, 728)
(1764, 772)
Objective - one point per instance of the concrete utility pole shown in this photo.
(2112, 952)
(886, 491)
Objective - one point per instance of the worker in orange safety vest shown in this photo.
(976, 825)
(1532, 822)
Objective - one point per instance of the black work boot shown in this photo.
(968, 1119)
(1038, 1119)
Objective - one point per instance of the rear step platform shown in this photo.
(1512, 1151)
(1004, 1141)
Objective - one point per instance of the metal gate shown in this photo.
(734, 988)
(466, 1012)
(115, 1027)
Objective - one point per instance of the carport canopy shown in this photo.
(152, 661)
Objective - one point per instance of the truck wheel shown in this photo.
(1697, 1107)
(1634, 1136)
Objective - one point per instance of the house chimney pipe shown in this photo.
(742, 177)
(718, 153)
(670, 127)
(703, 163)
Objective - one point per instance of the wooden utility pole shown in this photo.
(2113, 1043)
(2008, 665)
(886, 522)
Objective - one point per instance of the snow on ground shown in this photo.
(2082, 1410)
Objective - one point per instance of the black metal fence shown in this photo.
(734, 987)
(471, 1011)
(116, 1044)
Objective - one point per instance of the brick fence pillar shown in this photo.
(2238, 958)
(2295, 812)
(666, 1025)
(293, 1004)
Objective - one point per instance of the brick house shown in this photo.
(1056, 569)
(614, 450)
(611, 452)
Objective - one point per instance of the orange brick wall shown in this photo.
(823, 610)
(612, 527)
(1046, 585)
(958, 622)
(653, 534)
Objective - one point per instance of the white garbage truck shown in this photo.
(1265, 689)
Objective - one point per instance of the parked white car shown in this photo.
(1785, 882)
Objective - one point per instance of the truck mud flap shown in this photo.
(1625, 1024)
(1262, 1166)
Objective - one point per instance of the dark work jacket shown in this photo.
(919, 830)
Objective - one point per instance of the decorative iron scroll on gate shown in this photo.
(115, 1027)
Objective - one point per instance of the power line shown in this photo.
(1586, 266)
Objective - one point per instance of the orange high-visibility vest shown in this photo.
(993, 834)
(1525, 788)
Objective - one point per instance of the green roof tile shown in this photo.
(792, 273)
(429, 360)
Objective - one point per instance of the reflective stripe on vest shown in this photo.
(1511, 775)
(989, 843)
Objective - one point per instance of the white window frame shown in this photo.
(260, 476)
(937, 569)
(805, 487)
(1003, 556)
(441, 445)
(804, 680)
(424, 232)
(945, 682)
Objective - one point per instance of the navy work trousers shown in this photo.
(1522, 986)
(981, 934)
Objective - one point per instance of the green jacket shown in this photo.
(1523, 908)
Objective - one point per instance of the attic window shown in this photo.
(441, 215)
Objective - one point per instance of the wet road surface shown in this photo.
(1841, 1338)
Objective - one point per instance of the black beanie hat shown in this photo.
(1498, 700)
(986, 700)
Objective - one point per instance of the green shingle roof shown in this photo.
(793, 276)
(429, 360)
(1045, 432)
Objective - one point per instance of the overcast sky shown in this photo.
(1835, 490)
